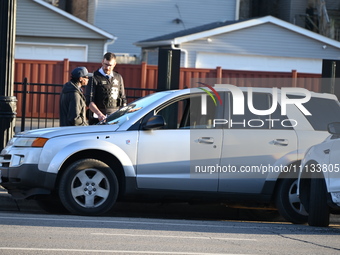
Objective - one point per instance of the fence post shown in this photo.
(8, 102)
(66, 71)
(294, 76)
(143, 77)
(219, 75)
(23, 107)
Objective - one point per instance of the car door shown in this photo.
(254, 146)
(167, 158)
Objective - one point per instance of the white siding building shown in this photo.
(259, 44)
(134, 20)
(46, 32)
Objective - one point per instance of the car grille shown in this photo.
(5, 160)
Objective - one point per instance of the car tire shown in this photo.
(318, 208)
(288, 203)
(88, 187)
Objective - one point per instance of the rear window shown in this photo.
(261, 101)
(324, 111)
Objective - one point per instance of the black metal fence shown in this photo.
(38, 103)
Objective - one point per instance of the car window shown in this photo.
(175, 113)
(324, 111)
(279, 121)
(249, 120)
(186, 112)
(261, 101)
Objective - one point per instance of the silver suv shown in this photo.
(319, 182)
(226, 144)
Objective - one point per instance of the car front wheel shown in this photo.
(288, 202)
(88, 187)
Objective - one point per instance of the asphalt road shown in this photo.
(23, 233)
(134, 228)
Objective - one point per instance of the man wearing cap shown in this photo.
(72, 100)
(105, 93)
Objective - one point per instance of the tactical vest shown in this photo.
(107, 92)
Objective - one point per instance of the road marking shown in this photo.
(110, 251)
(188, 237)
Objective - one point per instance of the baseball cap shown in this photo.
(80, 72)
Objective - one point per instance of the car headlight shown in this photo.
(29, 142)
(11, 142)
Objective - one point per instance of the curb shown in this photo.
(7, 203)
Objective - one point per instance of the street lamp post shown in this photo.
(7, 45)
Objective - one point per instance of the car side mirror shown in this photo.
(334, 128)
(154, 122)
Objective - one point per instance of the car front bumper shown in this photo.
(26, 180)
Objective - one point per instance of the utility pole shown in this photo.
(7, 45)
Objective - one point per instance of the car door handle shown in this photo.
(206, 140)
(281, 142)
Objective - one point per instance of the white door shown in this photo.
(51, 51)
(257, 63)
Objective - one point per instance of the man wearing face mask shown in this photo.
(105, 93)
(72, 100)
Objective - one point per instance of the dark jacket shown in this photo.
(72, 106)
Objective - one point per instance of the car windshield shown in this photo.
(126, 112)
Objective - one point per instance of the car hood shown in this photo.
(62, 131)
